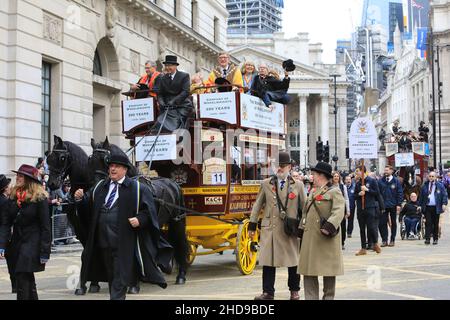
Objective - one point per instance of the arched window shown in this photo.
(97, 64)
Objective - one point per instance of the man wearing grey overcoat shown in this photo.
(279, 197)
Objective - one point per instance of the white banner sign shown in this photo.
(255, 115)
(363, 139)
(404, 160)
(164, 149)
(219, 106)
(137, 112)
(391, 148)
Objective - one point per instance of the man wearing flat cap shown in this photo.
(124, 241)
(173, 97)
(280, 197)
(321, 251)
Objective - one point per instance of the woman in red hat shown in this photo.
(29, 249)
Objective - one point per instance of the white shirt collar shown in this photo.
(173, 75)
(120, 181)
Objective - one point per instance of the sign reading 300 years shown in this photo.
(219, 106)
(136, 113)
(165, 148)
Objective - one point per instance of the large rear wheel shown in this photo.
(247, 253)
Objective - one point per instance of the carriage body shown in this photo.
(232, 142)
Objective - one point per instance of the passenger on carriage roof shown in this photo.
(226, 70)
(151, 80)
(269, 88)
(174, 95)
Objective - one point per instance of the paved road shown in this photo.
(410, 270)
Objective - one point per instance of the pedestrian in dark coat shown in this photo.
(29, 249)
(368, 206)
(5, 229)
(433, 200)
(350, 185)
(124, 241)
(174, 95)
(392, 192)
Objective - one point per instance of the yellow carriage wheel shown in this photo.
(246, 255)
(192, 252)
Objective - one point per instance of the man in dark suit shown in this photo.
(173, 97)
(124, 241)
(367, 212)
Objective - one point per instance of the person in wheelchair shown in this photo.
(410, 216)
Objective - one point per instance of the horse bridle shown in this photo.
(105, 155)
(63, 155)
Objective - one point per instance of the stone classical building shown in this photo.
(65, 63)
(311, 112)
(440, 24)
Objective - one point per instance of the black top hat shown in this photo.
(225, 83)
(171, 60)
(4, 181)
(284, 158)
(119, 159)
(324, 168)
(289, 65)
(28, 171)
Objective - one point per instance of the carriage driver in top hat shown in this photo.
(124, 238)
(280, 196)
(173, 97)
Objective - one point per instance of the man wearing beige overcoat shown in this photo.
(321, 252)
(277, 249)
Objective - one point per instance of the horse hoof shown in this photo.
(134, 290)
(80, 292)
(180, 280)
(94, 288)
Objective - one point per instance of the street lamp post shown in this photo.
(335, 157)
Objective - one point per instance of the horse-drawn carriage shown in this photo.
(219, 159)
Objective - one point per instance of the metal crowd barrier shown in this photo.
(62, 230)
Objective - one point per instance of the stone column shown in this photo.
(324, 119)
(303, 116)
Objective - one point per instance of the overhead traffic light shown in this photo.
(319, 150)
(326, 153)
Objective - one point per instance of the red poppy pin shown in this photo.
(319, 197)
(292, 196)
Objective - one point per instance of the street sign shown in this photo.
(363, 139)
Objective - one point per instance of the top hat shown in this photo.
(289, 65)
(284, 158)
(4, 181)
(119, 159)
(28, 171)
(324, 168)
(225, 83)
(171, 60)
(142, 91)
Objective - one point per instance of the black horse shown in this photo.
(69, 160)
(164, 191)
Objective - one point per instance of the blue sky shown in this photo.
(324, 20)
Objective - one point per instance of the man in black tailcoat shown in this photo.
(174, 94)
(124, 242)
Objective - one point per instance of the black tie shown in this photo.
(224, 73)
(282, 184)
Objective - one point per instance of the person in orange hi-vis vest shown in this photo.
(151, 79)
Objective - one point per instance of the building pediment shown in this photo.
(275, 61)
